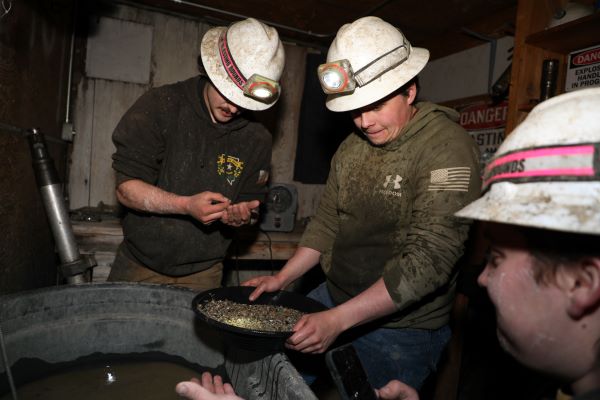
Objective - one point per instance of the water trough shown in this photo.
(66, 324)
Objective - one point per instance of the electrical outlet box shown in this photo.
(278, 213)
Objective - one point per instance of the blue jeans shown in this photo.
(409, 355)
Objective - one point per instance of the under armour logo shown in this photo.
(397, 180)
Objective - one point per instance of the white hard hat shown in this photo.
(244, 61)
(546, 174)
(371, 43)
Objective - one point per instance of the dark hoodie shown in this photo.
(168, 140)
(387, 211)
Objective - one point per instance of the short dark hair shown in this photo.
(403, 90)
(553, 249)
(549, 249)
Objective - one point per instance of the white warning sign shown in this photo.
(583, 69)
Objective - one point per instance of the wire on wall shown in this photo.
(270, 251)
(236, 256)
(5, 6)
(7, 366)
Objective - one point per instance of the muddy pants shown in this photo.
(126, 270)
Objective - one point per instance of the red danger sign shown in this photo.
(583, 69)
(586, 57)
(483, 116)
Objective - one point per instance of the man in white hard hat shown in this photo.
(541, 209)
(184, 154)
(385, 232)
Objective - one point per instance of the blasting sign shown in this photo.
(485, 123)
(583, 69)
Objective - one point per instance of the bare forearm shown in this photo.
(141, 196)
(206, 207)
(303, 260)
(373, 303)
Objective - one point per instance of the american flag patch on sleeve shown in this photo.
(452, 179)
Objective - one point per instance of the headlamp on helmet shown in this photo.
(338, 76)
(257, 87)
(260, 88)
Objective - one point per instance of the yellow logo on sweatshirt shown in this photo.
(229, 166)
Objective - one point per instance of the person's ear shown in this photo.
(584, 288)
(412, 93)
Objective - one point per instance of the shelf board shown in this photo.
(574, 35)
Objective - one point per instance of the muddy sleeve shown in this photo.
(139, 142)
(446, 179)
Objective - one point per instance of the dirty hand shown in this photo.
(266, 283)
(240, 213)
(207, 207)
(211, 388)
(314, 333)
(396, 390)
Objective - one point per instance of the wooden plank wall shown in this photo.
(100, 104)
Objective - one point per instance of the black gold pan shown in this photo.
(252, 339)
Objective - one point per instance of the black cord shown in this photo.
(235, 257)
(236, 240)
(270, 251)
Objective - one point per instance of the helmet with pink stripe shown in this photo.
(546, 174)
(244, 62)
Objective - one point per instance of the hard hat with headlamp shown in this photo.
(244, 62)
(546, 174)
(367, 60)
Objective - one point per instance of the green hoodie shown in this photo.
(387, 211)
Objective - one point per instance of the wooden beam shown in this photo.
(250, 244)
(496, 25)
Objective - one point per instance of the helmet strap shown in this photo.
(229, 64)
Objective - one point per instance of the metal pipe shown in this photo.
(11, 128)
(60, 223)
(73, 266)
(50, 189)
(21, 132)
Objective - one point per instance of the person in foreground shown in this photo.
(186, 151)
(211, 387)
(385, 232)
(541, 211)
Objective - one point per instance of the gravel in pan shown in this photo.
(259, 317)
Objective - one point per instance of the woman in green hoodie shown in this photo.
(385, 234)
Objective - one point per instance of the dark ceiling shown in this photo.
(442, 26)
